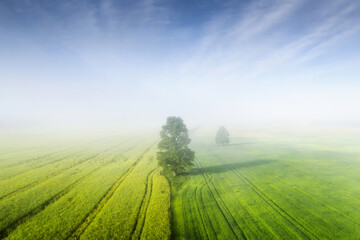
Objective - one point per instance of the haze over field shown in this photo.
(133, 63)
(179, 119)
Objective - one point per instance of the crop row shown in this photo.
(89, 218)
(14, 209)
(126, 197)
(307, 192)
(36, 175)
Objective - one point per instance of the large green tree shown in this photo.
(174, 154)
(222, 136)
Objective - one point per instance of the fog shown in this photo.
(119, 65)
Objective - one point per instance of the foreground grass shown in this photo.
(254, 188)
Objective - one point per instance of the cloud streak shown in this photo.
(246, 44)
(126, 60)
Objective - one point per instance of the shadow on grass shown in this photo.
(228, 167)
(235, 144)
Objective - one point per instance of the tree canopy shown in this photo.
(222, 136)
(174, 154)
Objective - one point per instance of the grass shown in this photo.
(258, 187)
(113, 190)
(269, 188)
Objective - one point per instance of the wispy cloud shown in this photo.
(252, 43)
(125, 59)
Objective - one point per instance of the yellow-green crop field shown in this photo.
(108, 189)
(257, 187)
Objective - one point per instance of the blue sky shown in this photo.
(219, 62)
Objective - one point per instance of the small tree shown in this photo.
(174, 154)
(222, 136)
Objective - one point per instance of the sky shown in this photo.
(131, 63)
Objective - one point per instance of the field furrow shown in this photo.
(314, 199)
(12, 226)
(20, 184)
(291, 220)
(47, 160)
(206, 227)
(233, 225)
(41, 199)
(157, 216)
(72, 207)
(20, 189)
(81, 228)
(140, 219)
(113, 188)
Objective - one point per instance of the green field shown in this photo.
(108, 189)
(257, 187)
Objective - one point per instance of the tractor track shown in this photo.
(13, 151)
(270, 202)
(12, 226)
(53, 153)
(32, 159)
(77, 232)
(140, 222)
(314, 198)
(46, 178)
(56, 160)
(44, 164)
(223, 203)
(34, 184)
(186, 226)
(202, 225)
(199, 201)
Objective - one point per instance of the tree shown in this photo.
(174, 154)
(222, 136)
